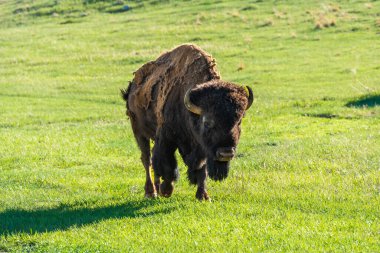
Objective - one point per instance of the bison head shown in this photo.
(217, 108)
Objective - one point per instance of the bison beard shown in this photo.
(217, 170)
(180, 103)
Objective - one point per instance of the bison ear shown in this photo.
(189, 105)
(249, 92)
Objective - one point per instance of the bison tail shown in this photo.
(125, 92)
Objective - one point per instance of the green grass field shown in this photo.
(307, 177)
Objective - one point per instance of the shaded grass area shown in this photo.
(365, 101)
(49, 8)
(306, 177)
(62, 218)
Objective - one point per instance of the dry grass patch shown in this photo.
(323, 21)
(332, 7)
(327, 16)
(237, 14)
(241, 66)
(248, 39)
(279, 14)
(368, 5)
(267, 22)
(199, 18)
(234, 13)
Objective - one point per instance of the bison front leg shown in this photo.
(165, 166)
(197, 171)
(198, 177)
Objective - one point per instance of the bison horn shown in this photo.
(249, 92)
(189, 105)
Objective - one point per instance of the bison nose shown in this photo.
(225, 154)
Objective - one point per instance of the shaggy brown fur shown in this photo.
(206, 142)
(186, 64)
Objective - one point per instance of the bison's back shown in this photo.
(181, 68)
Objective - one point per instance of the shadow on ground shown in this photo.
(321, 115)
(61, 218)
(365, 101)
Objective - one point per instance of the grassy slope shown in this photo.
(307, 178)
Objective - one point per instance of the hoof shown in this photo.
(150, 191)
(166, 189)
(202, 196)
(151, 195)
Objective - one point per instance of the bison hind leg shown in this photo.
(165, 165)
(150, 189)
(143, 143)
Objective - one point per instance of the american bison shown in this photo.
(180, 102)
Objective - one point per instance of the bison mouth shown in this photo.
(217, 170)
(225, 154)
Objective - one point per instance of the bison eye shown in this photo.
(208, 123)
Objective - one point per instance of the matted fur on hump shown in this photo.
(184, 66)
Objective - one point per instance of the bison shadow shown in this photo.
(365, 101)
(61, 218)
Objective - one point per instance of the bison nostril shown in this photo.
(230, 153)
(225, 153)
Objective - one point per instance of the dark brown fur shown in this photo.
(157, 112)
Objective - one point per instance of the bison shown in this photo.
(180, 102)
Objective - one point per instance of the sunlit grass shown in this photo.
(307, 174)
